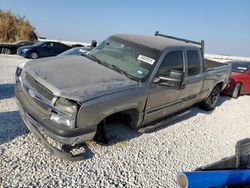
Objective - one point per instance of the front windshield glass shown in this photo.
(239, 67)
(76, 51)
(130, 58)
(38, 43)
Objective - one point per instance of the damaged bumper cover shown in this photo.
(37, 122)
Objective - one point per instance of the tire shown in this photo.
(6, 51)
(33, 55)
(236, 91)
(211, 102)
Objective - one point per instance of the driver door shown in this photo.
(163, 97)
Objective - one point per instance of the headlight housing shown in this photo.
(66, 105)
(25, 50)
(66, 114)
(18, 74)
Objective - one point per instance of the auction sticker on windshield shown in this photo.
(146, 59)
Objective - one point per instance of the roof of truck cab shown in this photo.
(155, 42)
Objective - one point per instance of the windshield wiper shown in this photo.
(113, 67)
(94, 58)
(123, 72)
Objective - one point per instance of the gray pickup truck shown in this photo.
(138, 80)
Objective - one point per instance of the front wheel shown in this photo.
(236, 91)
(33, 55)
(211, 102)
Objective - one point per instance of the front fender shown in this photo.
(94, 111)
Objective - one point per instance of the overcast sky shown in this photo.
(224, 24)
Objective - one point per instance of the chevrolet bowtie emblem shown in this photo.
(32, 93)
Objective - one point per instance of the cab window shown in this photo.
(193, 61)
(172, 61)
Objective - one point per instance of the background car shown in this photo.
(77, 51)
(239, 80)
(42, 49)
(11, 48)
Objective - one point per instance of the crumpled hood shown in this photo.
(77, 77)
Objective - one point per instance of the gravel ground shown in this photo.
(131, 160)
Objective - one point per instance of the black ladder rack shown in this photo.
(202, 43)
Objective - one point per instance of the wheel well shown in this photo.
(33, 51)
(128, 117)
(220, 84)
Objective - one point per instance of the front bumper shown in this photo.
(41, 121)
(31, 124)
(38, 122)
(21, 53)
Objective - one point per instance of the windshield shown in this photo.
(239, 67)
(38, 44)
(76, 51)
(130, 58)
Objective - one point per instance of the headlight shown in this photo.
(25, 50)
(18, 74)
(62, 120)
(68, 113)
(66, 105)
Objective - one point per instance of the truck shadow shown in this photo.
(6, 91)
(11, 126)
(117, 132)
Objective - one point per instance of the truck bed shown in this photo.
(208, 64)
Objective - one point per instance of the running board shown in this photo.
(153, 126)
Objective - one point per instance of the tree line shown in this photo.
(14, 28)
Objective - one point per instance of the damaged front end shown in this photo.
(53, 117)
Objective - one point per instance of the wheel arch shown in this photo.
(130, 117)
(241, 86)
(34, 51)
(220, 84)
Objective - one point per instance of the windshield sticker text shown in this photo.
(146, 59)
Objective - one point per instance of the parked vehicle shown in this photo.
(239, 80)
(42, 49)
(75, 51)
(130, 78)
(79, 50)
(11, 48)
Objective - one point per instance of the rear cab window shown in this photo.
(193, 62)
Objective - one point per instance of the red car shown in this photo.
(239, 80)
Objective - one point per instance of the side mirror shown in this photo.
(93, 43)
(175, 79)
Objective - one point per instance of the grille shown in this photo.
(39, 88)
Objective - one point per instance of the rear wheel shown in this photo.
(211, 102)
(236, 91)
(33, 55)
(5, 51)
